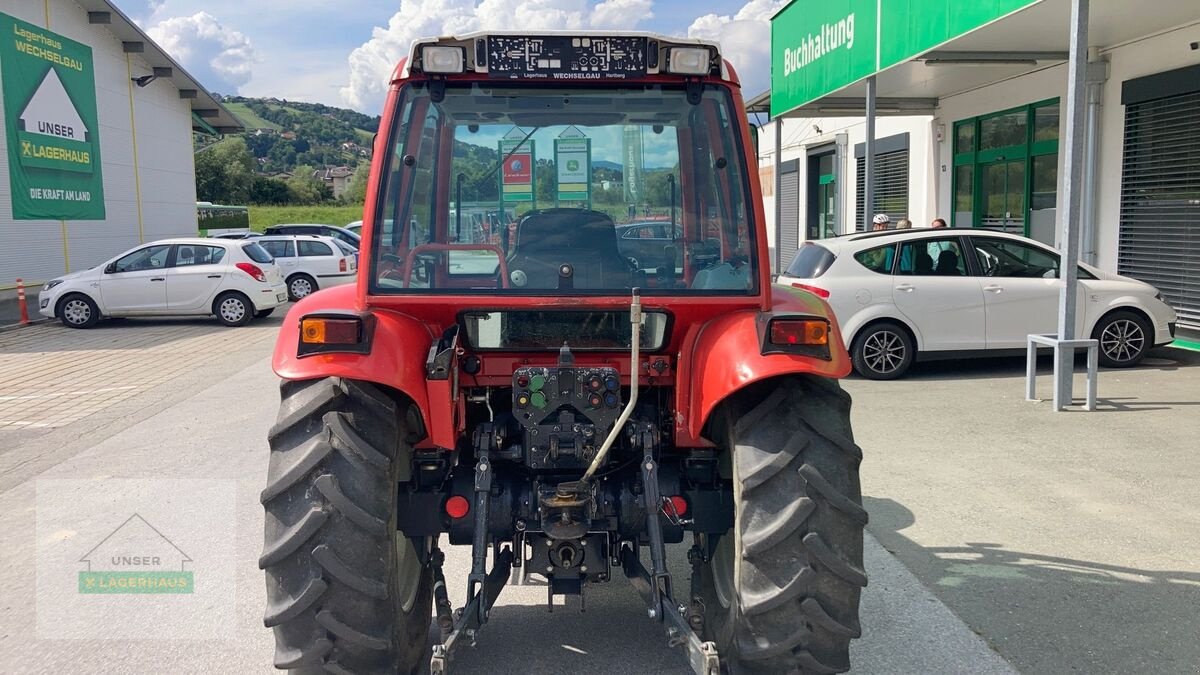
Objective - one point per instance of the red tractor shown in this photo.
(563, 409)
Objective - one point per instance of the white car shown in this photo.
(233, 280)
(310, 262)
(902, 296)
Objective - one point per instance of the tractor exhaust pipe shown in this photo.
(635, 323)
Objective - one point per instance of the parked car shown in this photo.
(243, 234)
(355, 227)
(311, 262)
(907, 295)
(233, 280)
(647, 242)
(339, 233)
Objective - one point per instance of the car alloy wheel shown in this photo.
(1123, 340)
(232, 309)
(301, 287)
(77, 312)
(884, 352)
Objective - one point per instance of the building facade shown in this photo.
(96, 154)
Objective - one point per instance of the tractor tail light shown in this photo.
(812, 332)
(457, 507)
(253, 270)
(819, 292)
(335, 332)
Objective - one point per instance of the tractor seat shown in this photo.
(584, 239)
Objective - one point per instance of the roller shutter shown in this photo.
(891, 186)
(1160, 200)
(788, 235)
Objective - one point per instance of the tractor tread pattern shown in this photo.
(293, 537)
(338, 569)
(331, 488)
(800, 521)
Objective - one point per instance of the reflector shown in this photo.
(329, 331)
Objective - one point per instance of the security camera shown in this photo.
(817, 129)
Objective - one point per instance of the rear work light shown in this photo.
(335, 332)
(442, 59)
(253, 270)
(819, 292)
(689, 60)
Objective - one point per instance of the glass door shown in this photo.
(1002, 196)
(826, 201)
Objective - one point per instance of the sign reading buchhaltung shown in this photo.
(51, 126)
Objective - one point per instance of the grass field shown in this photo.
(262, 217)
(247, 116)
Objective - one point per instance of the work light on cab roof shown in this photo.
(564, 347)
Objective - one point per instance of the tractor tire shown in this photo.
(346, 592)
(781, 588)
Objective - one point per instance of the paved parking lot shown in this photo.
(1003, 536)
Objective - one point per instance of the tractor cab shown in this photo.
(563, 351)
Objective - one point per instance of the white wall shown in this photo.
(34, 250)
(799, 135)
(1147, 56)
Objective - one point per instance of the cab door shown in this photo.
(195, 277)
(136, 283)
(932, 287)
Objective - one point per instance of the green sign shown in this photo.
(51, 126)
(573, 165)
(820, 47)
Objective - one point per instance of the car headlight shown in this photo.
(51, 284)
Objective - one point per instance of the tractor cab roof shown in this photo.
(566, 56)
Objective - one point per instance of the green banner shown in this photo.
(53, 133)
(573, 166)
(820, 47)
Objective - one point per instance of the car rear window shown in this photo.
(257, 253)
(810, 262)
(345, 248)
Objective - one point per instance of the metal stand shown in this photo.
(1064, 366)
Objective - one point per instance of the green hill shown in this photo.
(285, 134)
(249, 118)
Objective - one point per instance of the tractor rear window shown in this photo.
(560, 190)
(526, 330)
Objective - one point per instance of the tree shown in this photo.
(268, 191)
(303, 188)
(356, 191)
(224, 172)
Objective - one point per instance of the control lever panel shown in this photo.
(565, 412)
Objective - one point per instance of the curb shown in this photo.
(17, 326)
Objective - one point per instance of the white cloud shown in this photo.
(219, 57)
(745, 40)
(372, 63)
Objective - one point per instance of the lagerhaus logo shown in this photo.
(136, 558)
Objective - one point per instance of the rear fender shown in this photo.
(397, 357)
(725, 355)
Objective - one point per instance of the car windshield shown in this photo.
(563, 190)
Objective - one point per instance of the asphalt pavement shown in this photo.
(188, 457)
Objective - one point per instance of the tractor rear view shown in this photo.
(610, 374)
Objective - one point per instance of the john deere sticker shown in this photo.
(50, 124)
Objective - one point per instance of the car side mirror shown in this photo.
(754, 138)
(110, 268)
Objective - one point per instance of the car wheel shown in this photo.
(1124, 339)
(78, 311)
(233, 309)
(883, 351)
(263, 313)
(301, 286)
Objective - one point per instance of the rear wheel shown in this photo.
(1124, 339)
(346, 592)
(882, 351)
(233, 309)
(781, 589)
(301, 286)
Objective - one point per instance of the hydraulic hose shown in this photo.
(635, 322)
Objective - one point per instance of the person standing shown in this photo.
(904, 224)
(880, 222)
(938, 222)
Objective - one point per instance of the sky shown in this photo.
(341, 53)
